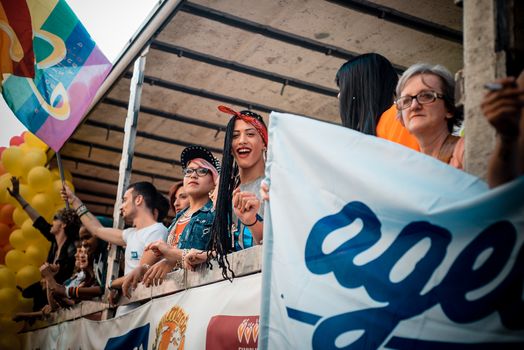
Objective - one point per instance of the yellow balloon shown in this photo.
(36, 255)
(7, 277)
(43, 205)
(33, 158)
(70, 185)
(59, 206)
(12, 160)
(53, 192)
(25, 148)
(11, 342)
(17, 240)
(27, 275)
(19, 216)
(5, 183)
(24, 305)
(15, 260)
(7, 325)
(27, 192)
(8, 300)
(67, 174)
(33, 141)
(31, 234)
(39, 178)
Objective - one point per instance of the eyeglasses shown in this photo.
(423, 98)
(201, 172)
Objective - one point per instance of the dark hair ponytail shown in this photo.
(221, 240)
(367, 86)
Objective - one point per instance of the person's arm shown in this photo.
(15, 193)
(92, 224)
(196, 257)
(79, 293)
(503, 111)
(155, 274)
(162, 250)
(131, 280)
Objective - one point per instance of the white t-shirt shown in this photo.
(136, 241)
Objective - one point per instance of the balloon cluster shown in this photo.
(23, 249)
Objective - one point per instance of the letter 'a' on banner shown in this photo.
(370, 245)
(69, 69)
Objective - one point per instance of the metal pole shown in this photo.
(61, 171)
(126, 161)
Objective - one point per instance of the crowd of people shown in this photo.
(219, 206)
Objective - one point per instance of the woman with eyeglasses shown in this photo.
(426, 107)
(191, 228)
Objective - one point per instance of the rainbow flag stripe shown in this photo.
(69, 71)
(16, 39)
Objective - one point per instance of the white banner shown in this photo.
(222, 315)
(368, 245)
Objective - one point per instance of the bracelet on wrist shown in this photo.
(184, 253)
(81, 210)
(254, 222)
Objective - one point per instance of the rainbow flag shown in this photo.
(69, 70)
(16, 39)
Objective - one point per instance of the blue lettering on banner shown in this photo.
(404, 299)
(137, 338)
(134, 255)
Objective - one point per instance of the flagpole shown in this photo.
(61, 170)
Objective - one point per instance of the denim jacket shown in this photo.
(197, 232)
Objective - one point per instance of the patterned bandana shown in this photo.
(248, 119)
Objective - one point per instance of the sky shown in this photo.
(111, 23)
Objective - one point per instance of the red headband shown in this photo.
(250, 120)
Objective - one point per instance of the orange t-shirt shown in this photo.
(174, 235)
(390, 128)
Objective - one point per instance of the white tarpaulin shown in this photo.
(368, 244)
(222, 315)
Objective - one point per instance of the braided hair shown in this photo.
(222, 240)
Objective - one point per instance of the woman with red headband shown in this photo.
(239, 210)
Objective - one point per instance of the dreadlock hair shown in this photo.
(222, 241)
(367, 87)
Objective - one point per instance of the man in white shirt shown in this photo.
(140, 209)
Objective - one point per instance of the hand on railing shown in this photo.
(132, 279)
(159, 248)
(193, 258)
(156, 274)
